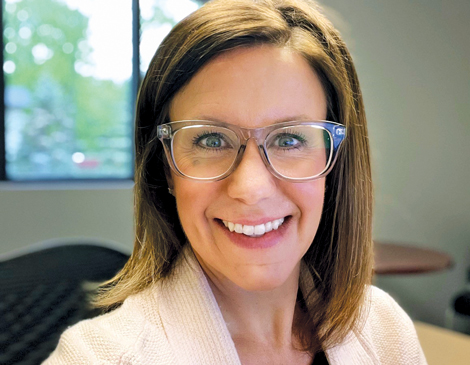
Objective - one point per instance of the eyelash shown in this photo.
(299, 136)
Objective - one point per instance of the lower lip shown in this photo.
(267, 240)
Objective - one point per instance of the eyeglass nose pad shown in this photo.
(261, 150)
(241, 153)
(264, 157)
(238, 158)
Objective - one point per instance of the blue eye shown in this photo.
(289, 141)
(211, 141)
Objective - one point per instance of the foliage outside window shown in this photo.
(68, 83)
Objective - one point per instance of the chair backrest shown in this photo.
(42, 292)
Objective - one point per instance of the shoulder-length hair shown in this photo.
(340, 257)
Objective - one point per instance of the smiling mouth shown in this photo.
(254, 231)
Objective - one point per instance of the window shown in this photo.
(71, 72)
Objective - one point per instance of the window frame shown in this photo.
(3, 175)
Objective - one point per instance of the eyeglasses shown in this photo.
(210, 151)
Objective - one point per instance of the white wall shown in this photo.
(413, 61)
(412, 58)
(30, 214)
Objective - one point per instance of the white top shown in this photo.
(178, 321)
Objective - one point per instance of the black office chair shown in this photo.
(42, 292)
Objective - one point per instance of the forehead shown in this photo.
(252, 87)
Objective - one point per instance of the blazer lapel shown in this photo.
(351, 352)
(191, 317)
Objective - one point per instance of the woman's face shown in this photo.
(251, 87)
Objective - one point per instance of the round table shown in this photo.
(394, 258)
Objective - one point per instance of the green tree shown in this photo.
(64, 112)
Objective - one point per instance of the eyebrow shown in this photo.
(299, 117)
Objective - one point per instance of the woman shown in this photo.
(253, 204)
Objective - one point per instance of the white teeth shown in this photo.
(268, 227)
(248, 230)
(257, 230)
(238, 228)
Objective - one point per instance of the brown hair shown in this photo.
(340, 257)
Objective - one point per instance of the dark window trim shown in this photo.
(3, 174)
(136, 76)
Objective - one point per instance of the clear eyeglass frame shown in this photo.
(336, 131)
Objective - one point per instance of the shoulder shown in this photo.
(388, 331)
(118, 337)
(385, 311)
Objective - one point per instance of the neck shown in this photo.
(263, 317)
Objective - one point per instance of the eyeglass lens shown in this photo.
(209, 151)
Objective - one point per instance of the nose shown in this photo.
(251, 182)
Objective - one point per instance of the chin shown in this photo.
(261, 279)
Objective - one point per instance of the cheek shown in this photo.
(192, 200)
(309, 198)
